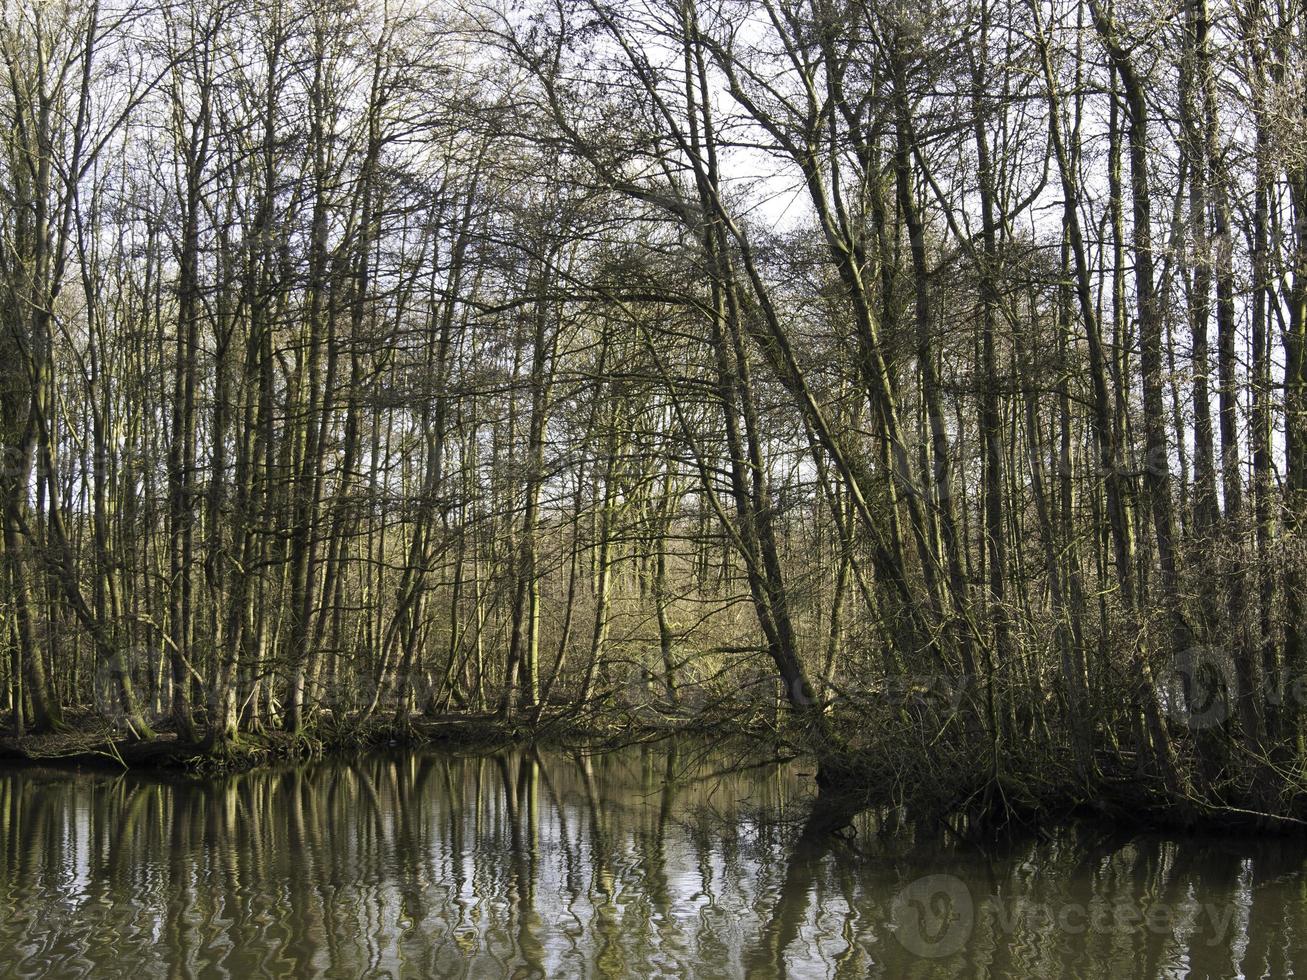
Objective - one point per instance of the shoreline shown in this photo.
(847, 783)
(79, 747)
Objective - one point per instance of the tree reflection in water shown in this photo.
(667, 860)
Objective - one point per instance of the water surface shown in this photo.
(657, 861)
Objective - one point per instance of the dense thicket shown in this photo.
(936, 368)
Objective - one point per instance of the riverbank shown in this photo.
(89, 743)
(1019, 790)
(982, 795)
(82, 745)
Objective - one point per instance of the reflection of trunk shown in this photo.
(790, 911)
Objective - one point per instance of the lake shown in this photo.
(670, 860)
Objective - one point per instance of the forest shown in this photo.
(921, 384)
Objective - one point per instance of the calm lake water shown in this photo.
(676, 861)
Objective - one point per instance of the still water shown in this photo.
(671, 860)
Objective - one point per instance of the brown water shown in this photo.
(646, 862)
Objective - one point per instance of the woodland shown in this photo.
(920, 384)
